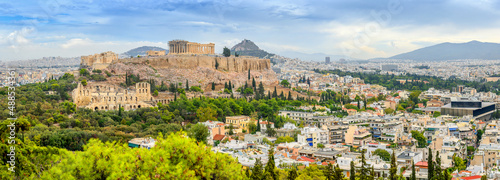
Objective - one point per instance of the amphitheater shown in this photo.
(101, 96)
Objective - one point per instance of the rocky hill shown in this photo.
(248, 48)
(142, 51)
(454, 51)
(198, 70)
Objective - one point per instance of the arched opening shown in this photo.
(139, 106)
(96, 108)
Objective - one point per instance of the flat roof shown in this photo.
(483, 105)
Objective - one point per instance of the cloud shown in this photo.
(17, 38)
(80, 27)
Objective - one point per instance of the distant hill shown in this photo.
(454, 51)
(142, 51)
(248, 48)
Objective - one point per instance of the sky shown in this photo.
(356, 29)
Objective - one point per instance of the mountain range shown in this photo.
(454, 51)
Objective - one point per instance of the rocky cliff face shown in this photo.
(198, 70)
(229, 64)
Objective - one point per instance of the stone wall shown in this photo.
(98, 61)
(230, 64)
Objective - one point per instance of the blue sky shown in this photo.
(352, 28)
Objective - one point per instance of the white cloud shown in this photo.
(17, 38)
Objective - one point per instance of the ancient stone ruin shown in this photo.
(102, 96)
(98, 61)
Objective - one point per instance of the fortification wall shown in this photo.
(230, 64)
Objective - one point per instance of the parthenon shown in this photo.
(185, 47)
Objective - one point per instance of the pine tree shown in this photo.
(363, 171)
(289, 96)
(187, 85)
(225, 85)
(258, 124)
(261, 90)
(446, 175)
(394, 168)
(270, 166)
(257, 170)
(329, 172)
(120, 110)
(438, 171)
(275, 93)
(292, 174)
(253, 83)
(248, 74)
(247, 172)
(372, 174)
(430, 173)
(213, 86)
(413, 175)
(353, 172)
(339, 175)
(230, 87)
(269, 95)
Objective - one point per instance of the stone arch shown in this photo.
(96, 108)
(139, 106)
(134, 107)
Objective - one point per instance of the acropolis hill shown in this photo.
(194, 62)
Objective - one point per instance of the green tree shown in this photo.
(321, 146)
(270, 166)
(213, 86)
(436, 114)
(422, 141)
(338, 173)
(285, 83)
(413, 175)
(257, 170)
(226, 52)
(364, 171)
(187, 85)
(352, 175)
(438, 171)
(84, 82)
(231, 129)
(386, 156)
(155, 94)
(329, 172)
(394, 168)
(117, 161)
(292, 174)
(248, 74)
(283, 139)
(206, 114)
(430, 173)
(199, 132)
